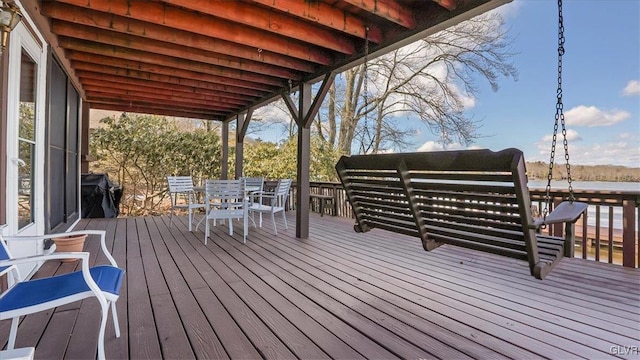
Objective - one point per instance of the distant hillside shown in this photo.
(539, 170)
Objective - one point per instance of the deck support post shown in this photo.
(242, 123)
(304, 163)
(303, 116)
(628, 234)
(224, 161)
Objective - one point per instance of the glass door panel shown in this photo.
(26, 139)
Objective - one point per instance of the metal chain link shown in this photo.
(559, 117)
(366, 68)
(366, 81)
(560, 106)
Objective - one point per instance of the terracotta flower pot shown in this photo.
(74, 243)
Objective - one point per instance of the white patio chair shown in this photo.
(273, 202)
(226, 200)
(25, 297)
(253, 186)
(182, 196)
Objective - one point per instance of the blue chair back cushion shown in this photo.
(39, 291)
(4, 255)
(3, 252)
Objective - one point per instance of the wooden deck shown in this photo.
(337, 294)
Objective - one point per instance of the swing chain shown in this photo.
(559, 117)
(366, 70)
(365, 76)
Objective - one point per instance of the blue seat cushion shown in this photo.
(39, 291)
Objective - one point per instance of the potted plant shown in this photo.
(71, 243)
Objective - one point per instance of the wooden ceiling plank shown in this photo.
(390, 10)
(105, 21)
(94, 98)
(141, 109)
(168, 15)
(79, 63)
(126, 97)
(160, 86)
(447, 4)
(163, 60)
(149, 88)
(81, 32)
(275, 22)
(326, 15)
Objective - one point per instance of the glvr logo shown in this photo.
(625, 350)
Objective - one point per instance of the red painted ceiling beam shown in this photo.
(169, 61)
(167, 15)
(107, 65)
(101, 20)
(101, 98)
(326, 15)
(126, 97)
(163, 86)
(147, 88)
(149, 109)
(158, 47)
(387, 9)
(272, 21)
(447, 4)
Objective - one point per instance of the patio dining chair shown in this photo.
(272, 203)
(24, 296)
(226, 200)
(183, 196)
(253, 187)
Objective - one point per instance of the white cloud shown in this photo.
(627, 135)
(592, 116)
(572, 135)
(274, 113)
(632, 88)
(621, 150)
(434, 146)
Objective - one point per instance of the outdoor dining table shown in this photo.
(248, 190)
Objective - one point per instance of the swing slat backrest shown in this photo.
(476, 199)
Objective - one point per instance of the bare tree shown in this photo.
(432, 79)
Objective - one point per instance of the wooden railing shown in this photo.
(597, 237)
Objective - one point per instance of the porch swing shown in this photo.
(477, 199)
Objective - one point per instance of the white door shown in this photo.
(25, 138)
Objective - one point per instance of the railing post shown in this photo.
(557, 228)
(628, 233)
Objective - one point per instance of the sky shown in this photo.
(601, 85)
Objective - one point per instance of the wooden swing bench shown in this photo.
(476, 199)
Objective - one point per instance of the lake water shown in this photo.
(586, 185)
(594, 185)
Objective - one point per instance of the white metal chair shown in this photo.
(182, 196)
(25, 297)
(273, 202)
(226, 200)
(255, 185)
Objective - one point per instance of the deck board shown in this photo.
(508, 291)
(525, 321)
(338, 294)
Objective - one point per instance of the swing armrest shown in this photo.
(567, 211)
